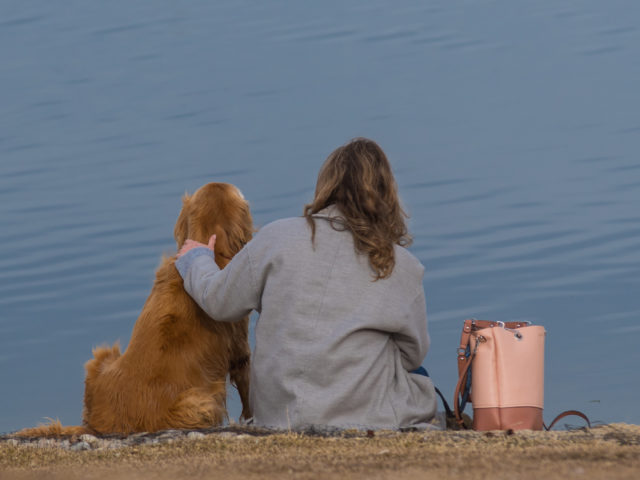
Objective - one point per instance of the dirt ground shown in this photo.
(604, 452)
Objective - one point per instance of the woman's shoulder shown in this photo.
(282, 231)
(408, 263)
(277, 227)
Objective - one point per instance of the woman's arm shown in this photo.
(413, 338)
(226, 295)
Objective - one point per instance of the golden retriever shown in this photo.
(173, 373)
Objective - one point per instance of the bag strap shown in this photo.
(460, 391)
(566, 414)
(465, 338)
(465, 357)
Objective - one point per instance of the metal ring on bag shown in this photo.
(516, 333)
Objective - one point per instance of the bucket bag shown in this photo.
(501, 372)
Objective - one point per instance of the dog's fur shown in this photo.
(173, 373)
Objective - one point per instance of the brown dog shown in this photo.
(173, 373)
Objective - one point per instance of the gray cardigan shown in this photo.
(333, 347)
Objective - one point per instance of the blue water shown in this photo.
(513, 129)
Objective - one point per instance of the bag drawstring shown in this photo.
(447, 409)
(461, 394)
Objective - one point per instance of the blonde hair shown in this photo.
(357, 179)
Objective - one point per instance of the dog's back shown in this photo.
(173, 373)
(173, 362)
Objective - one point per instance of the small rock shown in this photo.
(64, 444)
(90, 439)
(227, 435)
(13, 442)
(105, 443)
(80, 446)
(195, 435)
(137, 438)
(46, 443)
(169, 436)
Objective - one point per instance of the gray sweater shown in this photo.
(333, 347)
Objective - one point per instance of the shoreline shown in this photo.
(607, 451)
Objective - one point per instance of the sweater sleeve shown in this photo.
(413, 338)
(226, 295)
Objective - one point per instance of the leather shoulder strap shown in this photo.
(465, 338)
(462, 380)
(566, 414)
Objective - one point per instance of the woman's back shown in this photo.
(334, 347)
(342, 309)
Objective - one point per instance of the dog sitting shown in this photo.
(173, 373)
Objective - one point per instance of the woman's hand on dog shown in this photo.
(189, 244)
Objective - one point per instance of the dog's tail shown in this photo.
(53, 429)
(103, 357)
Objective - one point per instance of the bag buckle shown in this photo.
(516, 333)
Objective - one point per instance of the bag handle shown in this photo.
(461, 389)
(464, 364)
(566, 414)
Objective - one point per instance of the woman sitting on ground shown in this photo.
(342, 309)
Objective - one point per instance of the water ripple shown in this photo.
(436, 183)
(601, 50)
(529, 239)
(624, 168)
(617, 31)
(435, 39)
(475, 196)
(598, 159)
(629, 130)
(17, 22)
(390, 35)
(122, 28)
(328, 35)
(23, 147)
(491, 229)
(580, 247)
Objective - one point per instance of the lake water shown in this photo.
(513, 129)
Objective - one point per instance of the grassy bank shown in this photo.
(608, 452)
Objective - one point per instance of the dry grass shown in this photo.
(611, 452)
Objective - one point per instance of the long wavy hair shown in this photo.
(357, 179)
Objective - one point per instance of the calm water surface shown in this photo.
(514, 131)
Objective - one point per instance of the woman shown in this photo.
(342, 309)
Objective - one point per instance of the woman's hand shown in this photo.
(189, 244)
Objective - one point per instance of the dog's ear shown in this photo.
(222, 249)
(181, 230)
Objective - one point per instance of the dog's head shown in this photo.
(220, 209)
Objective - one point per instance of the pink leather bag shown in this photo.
(501, 372)
(506, 361)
